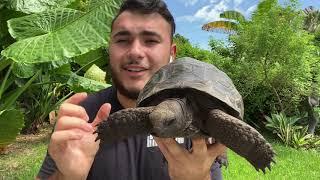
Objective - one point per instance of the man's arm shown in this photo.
(72, 146)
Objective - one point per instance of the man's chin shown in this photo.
(131, 93)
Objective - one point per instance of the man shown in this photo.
(140, 44)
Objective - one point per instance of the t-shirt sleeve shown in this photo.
(215, 171)
(48, 168)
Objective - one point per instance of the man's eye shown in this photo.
(122, 41)
(152, 41)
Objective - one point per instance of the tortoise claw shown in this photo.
(269, 167)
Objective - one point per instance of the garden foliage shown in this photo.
(47, 45)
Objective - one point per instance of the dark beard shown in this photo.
(133, 94)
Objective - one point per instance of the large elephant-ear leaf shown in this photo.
(11, 123)
(41, 24)
(36, 6)
(82, 84)
(53, 42)
(23, 70)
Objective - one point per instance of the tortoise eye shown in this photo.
(169, 122)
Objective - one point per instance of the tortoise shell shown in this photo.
(196, 77)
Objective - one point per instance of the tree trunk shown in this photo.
(313, 117)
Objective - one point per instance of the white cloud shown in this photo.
(211, 12)
(189, 2)
(207, 13)
(237, 2)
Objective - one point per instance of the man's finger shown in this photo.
(164, 149)
(199, 146)
(59, 137)
(216, 149)
(102, 114)
(66, 122)
(77, 98)
(170, 148)
(68, 109)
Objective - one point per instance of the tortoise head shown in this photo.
(170, 117)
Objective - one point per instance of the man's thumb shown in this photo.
(102, 114)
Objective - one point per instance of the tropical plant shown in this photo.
(312, 25)
(11, 118)
(230, 25)
(290, 132)
(186, 49)
(272, 59)
(50, 43)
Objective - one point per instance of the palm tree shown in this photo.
(230, 25)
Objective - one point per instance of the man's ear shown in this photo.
(173, 51)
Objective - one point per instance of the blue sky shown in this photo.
(190, 15)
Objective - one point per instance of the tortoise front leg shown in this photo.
(125, 123)
(241, 138)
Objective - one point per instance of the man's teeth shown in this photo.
(135, 70)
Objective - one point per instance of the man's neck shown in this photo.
(125, 101)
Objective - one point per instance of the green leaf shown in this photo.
(62, 70)
(36, 6)
(87, 32)
(23, 70)
(223, 26)
(4, 62)
(2, 3)
(98, 57)
(95, 73)
(82, 84)
(233, 15)
(42, 23)
(11, 123)
(10, 100)
(5, 15)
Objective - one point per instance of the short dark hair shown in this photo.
(148, 7)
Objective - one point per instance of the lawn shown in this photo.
(24, 158)
(290, 164)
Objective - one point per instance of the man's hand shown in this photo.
(189, 165)
(72, 145)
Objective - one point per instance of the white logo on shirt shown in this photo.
(152, 143)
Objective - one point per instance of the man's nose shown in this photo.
(136, 51)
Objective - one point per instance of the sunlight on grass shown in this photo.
(290, 164)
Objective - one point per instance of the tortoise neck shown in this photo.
(125, 101)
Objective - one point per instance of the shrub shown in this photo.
(290, 133)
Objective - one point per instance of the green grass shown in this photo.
(24, 158)
(26, 155)
(290, 164)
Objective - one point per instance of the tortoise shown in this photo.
(190, 98)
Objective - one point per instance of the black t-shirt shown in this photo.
(135, 158)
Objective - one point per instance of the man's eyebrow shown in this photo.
(122, 33)
(150, 33)
(143, 33)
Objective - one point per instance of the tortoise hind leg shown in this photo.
(125, 123)
(241, 138)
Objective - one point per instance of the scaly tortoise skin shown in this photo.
(190, 98)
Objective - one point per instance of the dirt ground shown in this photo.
(19, 145)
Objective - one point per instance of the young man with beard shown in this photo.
(140, 44)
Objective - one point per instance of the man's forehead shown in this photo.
(137, 22)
